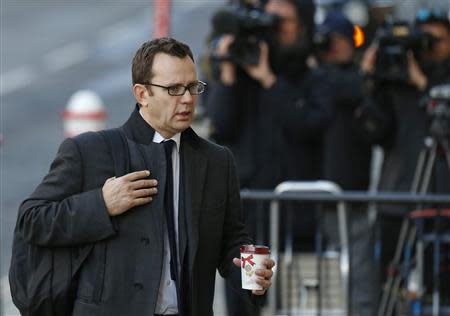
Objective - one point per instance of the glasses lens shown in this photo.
(176, 90)
(196, 88)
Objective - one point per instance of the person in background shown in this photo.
(347, 154)
(406, 125)
(271, 115)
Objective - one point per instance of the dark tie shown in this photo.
(169, 208)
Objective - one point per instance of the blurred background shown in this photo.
(51, 49)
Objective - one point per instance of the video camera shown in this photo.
(394, 42)
(438, 109)
(249, 25)
(322, 40)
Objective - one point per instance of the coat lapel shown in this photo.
(194, 164)
(155, 160)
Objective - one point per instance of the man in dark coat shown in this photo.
(137, 266)
(271, 114)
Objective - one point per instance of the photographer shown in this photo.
(403, 139)
(271, 114)
(347, 154)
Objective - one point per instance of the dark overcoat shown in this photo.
(123, 272)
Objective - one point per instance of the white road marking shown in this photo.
(16, 79)
(115, 34)
(66, 56)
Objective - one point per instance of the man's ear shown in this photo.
(141, 94)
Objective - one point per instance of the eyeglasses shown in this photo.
(194, 88)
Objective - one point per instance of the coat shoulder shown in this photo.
(90, 141)
(88, 138)
(92, 147)
(212, 149)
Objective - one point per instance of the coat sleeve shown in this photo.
(376, 120)
(58, 212)
(223, 110)
(235, 235)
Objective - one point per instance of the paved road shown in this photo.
(49, 50)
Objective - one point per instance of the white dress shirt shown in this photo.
(167, 302)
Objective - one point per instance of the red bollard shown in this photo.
(84, 112)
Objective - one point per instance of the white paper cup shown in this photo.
(251, 260)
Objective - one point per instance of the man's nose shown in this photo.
(187, 97)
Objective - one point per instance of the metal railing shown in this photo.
(326, 191)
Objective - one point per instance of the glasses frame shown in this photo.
(186, 88)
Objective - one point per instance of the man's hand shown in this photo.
(264, 275)
(227, 69)
(415, 74)
(262, 71)
(123, 193)
(367, 64)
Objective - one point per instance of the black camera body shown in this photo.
(438, 109)
(322, 41)
(249, 25)
(394, 42)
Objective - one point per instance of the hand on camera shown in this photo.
(415, 74)
(227, 68)
(262, 71)
(368, 60)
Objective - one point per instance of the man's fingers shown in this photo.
(269, 263)
(141, 184)
(264, 49)
(133, 176)
(237, 262)
(258, 292)
(144, 192)
(224, 44)
(264, 283)
(110, 179)
(141, 201)
(267, 274)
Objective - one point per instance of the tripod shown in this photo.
(401, 270)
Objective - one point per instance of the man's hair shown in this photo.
(141, 69)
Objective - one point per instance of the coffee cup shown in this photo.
(252, 258)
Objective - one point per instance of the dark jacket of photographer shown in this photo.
(404, 139)
(347, 152)
(274, 134)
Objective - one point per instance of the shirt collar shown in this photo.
(157, 138)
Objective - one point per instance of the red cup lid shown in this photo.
(260, 250)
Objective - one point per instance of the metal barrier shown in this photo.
(326, 191)
(316, 186)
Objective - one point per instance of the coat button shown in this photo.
(138, 286)
(145, 241)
